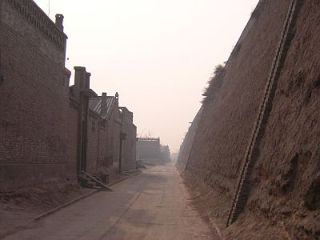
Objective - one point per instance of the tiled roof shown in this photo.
(95, 105)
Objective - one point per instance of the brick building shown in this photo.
(49, 131)
(128, 140)
(33, 94)
(120, 134)
(150, 150)
(165, 153)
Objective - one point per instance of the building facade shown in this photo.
(33, 94)
(49, 131)
(128, 140)
(149, 150)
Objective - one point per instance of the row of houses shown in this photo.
(49, 131)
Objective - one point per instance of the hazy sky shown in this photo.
(158, 54)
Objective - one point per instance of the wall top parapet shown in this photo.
(35, 16)
(149, 139)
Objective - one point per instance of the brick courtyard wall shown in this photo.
(72, 134)
(34, 96)
(128, 160)
(102, 158)
(93, 142)
(97, 148)
(113, 127)
(116, 128)
(148, 149)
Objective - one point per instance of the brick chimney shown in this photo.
(80, 78)
(87, 82)
(59, 21)
(117, 97)
(104, 108)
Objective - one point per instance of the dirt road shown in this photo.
(151, 206)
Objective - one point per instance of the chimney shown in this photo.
(79, 80)
(130, 116)
(117, 98)
(104, 108)
(80, 77)
(67, 75)
(59, 21)
(87, 82)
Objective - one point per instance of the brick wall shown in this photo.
(148, 149)
(97, 148)
(116, 129)
(48, 132)
(33, 98)
(93, 143)
(128, 159)
(72, 134)
(102, 158)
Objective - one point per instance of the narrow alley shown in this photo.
(153, 205)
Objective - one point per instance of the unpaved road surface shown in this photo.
(154, 205)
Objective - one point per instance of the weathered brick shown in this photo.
(47, 130)
(34, 100)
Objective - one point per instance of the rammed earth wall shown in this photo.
(283, 186)
(228, 118)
